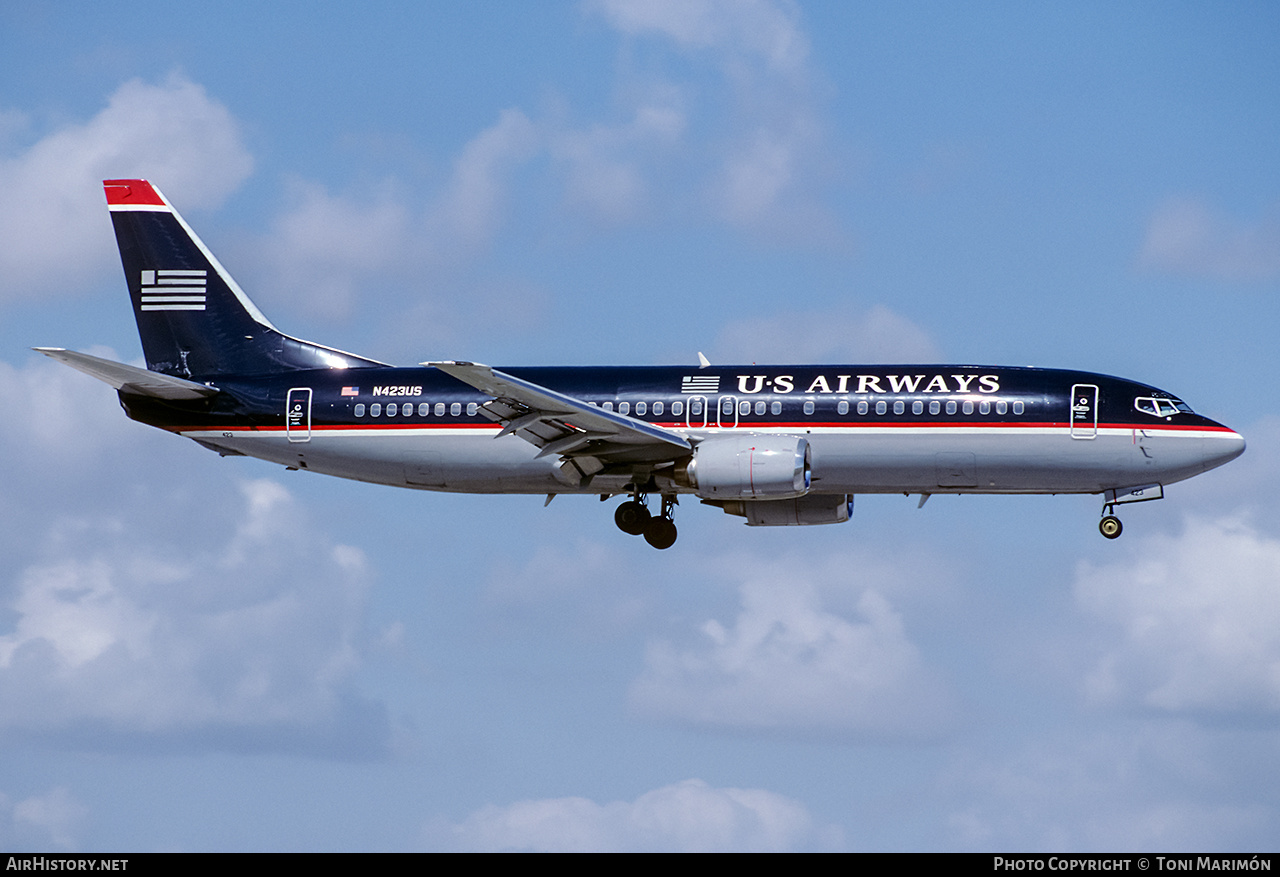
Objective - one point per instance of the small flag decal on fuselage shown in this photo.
(351, 391)
(173, 289)
(700, 384)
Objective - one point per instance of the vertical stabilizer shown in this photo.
(193, 318)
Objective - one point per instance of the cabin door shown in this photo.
(1084, 411)
(297, 415)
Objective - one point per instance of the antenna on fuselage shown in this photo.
(703, 362)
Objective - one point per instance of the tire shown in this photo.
(631, 517)
(1110, 527)
(660, 533)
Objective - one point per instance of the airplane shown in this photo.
(781, 445)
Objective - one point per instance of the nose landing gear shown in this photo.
(1110, 527)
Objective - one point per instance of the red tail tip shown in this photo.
(131, 192)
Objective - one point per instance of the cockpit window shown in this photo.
(1161, 407)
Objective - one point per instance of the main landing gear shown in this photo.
(633, 517)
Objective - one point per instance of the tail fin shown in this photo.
(194, 319)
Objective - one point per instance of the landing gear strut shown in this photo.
(660, 532)
(633, 517)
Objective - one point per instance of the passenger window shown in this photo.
(1017, 408)
(880, 407)
(968, 407)
(951, 407)
(726, 407)
(677, 408)
(984, 407)
(695, 407)
(935, 407)
(1002, 406)
(899, 407)
(761, 407)
(917, 407)
(607, 406)
(862, 407)
(375, 409)
(455, 410)
(424, 409)
(744, 407)
(439, 409)
(808, 406)
(624, 407)
(391, 409)
(359, 409)
(472, 408)
(657, 408)
(641, 407)
(842, 407)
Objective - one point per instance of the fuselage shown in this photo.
(870, 429)
(777, 445)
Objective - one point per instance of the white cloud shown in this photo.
(761, 29)
(1198, 616)
(42, 822)
(1153, 786)
(471, 207)
(252, 644)
(789, 664)
(766, 161)
(1185, 236)
(878, 335)
(324, 248)
(53, 218)
(558, 588)
(689, 816)
(605, 165)
(189, 612)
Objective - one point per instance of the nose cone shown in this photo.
(1222, 447)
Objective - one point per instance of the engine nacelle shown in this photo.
(750, 466)
(803, 511)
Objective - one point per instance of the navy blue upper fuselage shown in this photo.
(1044, 394)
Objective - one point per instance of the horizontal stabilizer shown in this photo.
(130, 378)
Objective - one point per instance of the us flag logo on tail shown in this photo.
(173, 290)
(700, 384)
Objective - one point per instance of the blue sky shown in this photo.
(199, 653)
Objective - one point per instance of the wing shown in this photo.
(587, 436)
(129, 378)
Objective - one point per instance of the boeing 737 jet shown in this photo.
(776, 445)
